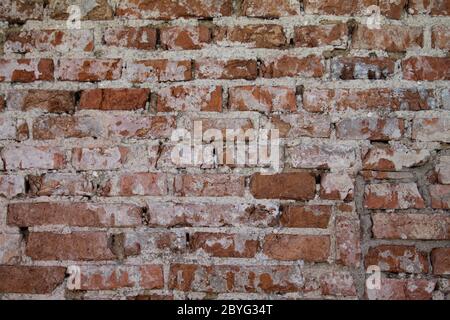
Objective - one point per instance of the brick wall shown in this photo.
(87, 180)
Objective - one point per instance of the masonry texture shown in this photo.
(86, 180)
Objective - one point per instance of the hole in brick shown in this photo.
(24, 231)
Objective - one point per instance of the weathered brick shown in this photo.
(433, 7)
(270, 8)
(62, 41)
(389, 37)
(73, 214)
(251, 36)
(324, 155)
(209, 185)
(224, 245)
(89, 70)
(167, 9)
(209, 68)
(45, 100)
(431, 129)
(61, 184)
(440, 259)
(158, 70)
(143, 38)
(440, 196)
(348, 241)
(184, 98)
(34, 280)
(393, 196)
(302, 124)
(297, 247)
(185, 38)
(140, 127)
(29, 157)
(11, 186)
(99, 158)
(262, 98)
(443, 169)
(370, 128)
(294, 185)
(411, 226)
(397, 258)
(373, 68)
(21, 10)
(440, 37)
(86, 246)
(26, 70)
(336, 186)
(403, 289)
(12, 129)
(309, 216)
(129, 184)
(321, 35)
(114, 99)
(11, 248)
(394, 158)
(426, 68)
(290, 66)
(107, 277)
(66, 126)
(95, 10)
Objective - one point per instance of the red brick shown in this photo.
(63, 41)
(392, 10)
(442, 169)
(336, 186)
(185, 38)
(226, 278)
(184, 98)
(294, 185)
(61, 184)
(11, 248)
(394, 158)
(86, 246)
(209, 185)
(151, 297)
(152, 277)
(251, 36)
(129, 184)
(143, 38)
(370, 128)
(33, 280)
(440, 259)
(433, 7)
(114, 99)
(21, 10)
(156, 243)
(297, 247)
(140, 127)
(431, 129)
(209, 68)
(29, 157)
(262, 98)
(107, 277)
(321, 35)
(167, 9)
(290, 66)
(99, 158)
(393, 196)
(210, 215)
(77, 214)
(426, 68)
(223, 244)
(2, 103)
(411, 226)
(397, 259)
(440, 196)
(403, 289)
(302, 124)
(89, 70)
(373, 68)
(12, 129)
(337, 284)
(45, 100)
(58, 9)
(309, 216)
(389, 37)
(11, 186)
(26, 70)
(270, 8)
(324, 155)
(440, 37)
(348, 241)
(65, 126)
(162, 70)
